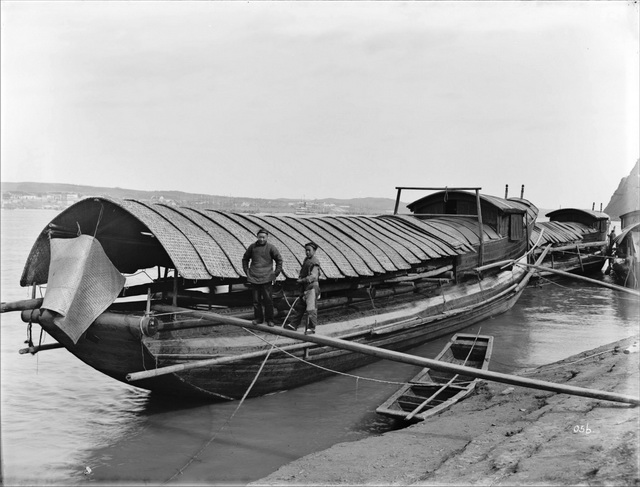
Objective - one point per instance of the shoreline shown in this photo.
(503, 435)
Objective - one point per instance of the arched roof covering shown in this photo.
(559, 232)
(209, 244)
(631, 228)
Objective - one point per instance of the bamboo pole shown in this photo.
(582, 278)
(437, 188)
(382, 353)
(21, 305)
(584, 245)
(39, 348)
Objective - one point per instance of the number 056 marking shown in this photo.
(581, 428)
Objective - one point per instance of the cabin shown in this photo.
(629, 218)
(626, 265)
(594, 225)
(504, 224)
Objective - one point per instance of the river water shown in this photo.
(64, 423)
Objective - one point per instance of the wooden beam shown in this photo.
(21, 305)
(437, 188)
(579, 245)
(39, 348)
(395, 210)
(582, 278)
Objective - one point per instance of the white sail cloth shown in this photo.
(82, 283)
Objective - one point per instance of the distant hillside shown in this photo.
(240, 203)
(627, 197)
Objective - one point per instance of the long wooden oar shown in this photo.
(388, 355)
(582, 278)
(444, 386)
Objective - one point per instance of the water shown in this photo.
(59, 416)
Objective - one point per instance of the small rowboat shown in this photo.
(431, 391)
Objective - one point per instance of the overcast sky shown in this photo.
(323, 99)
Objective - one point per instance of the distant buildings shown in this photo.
(53, 200)
(60, 200)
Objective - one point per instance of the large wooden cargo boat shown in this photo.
(626, 251)
(392, 281)
(578, 240)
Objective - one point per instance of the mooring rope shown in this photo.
(563, 364)
(550, 281)
(320, 366)
(226, 423)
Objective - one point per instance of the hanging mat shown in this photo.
(82, 283)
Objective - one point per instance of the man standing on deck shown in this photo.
(257, 263)
(308, 279)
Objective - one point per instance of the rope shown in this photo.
(369, 290)
(524, 374)
(320, 366)
(548, 281)
(290, 310)
(99, 220)
(226, 423)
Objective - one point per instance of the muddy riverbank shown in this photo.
(503, 435)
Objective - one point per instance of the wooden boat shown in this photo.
(430, 392)
(578, 240)
(392, 281)
(626, 251)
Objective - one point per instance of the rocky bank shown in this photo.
(503, 435)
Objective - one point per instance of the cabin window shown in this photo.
(503, 229)
(516, 227)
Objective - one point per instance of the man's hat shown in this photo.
(262, 230)
(313, 245)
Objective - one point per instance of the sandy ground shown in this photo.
(503, 435)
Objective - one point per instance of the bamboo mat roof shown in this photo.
(559, 232)
(635, 227)
(209, 244)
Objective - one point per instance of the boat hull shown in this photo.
(625, 272)
(118, 347)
